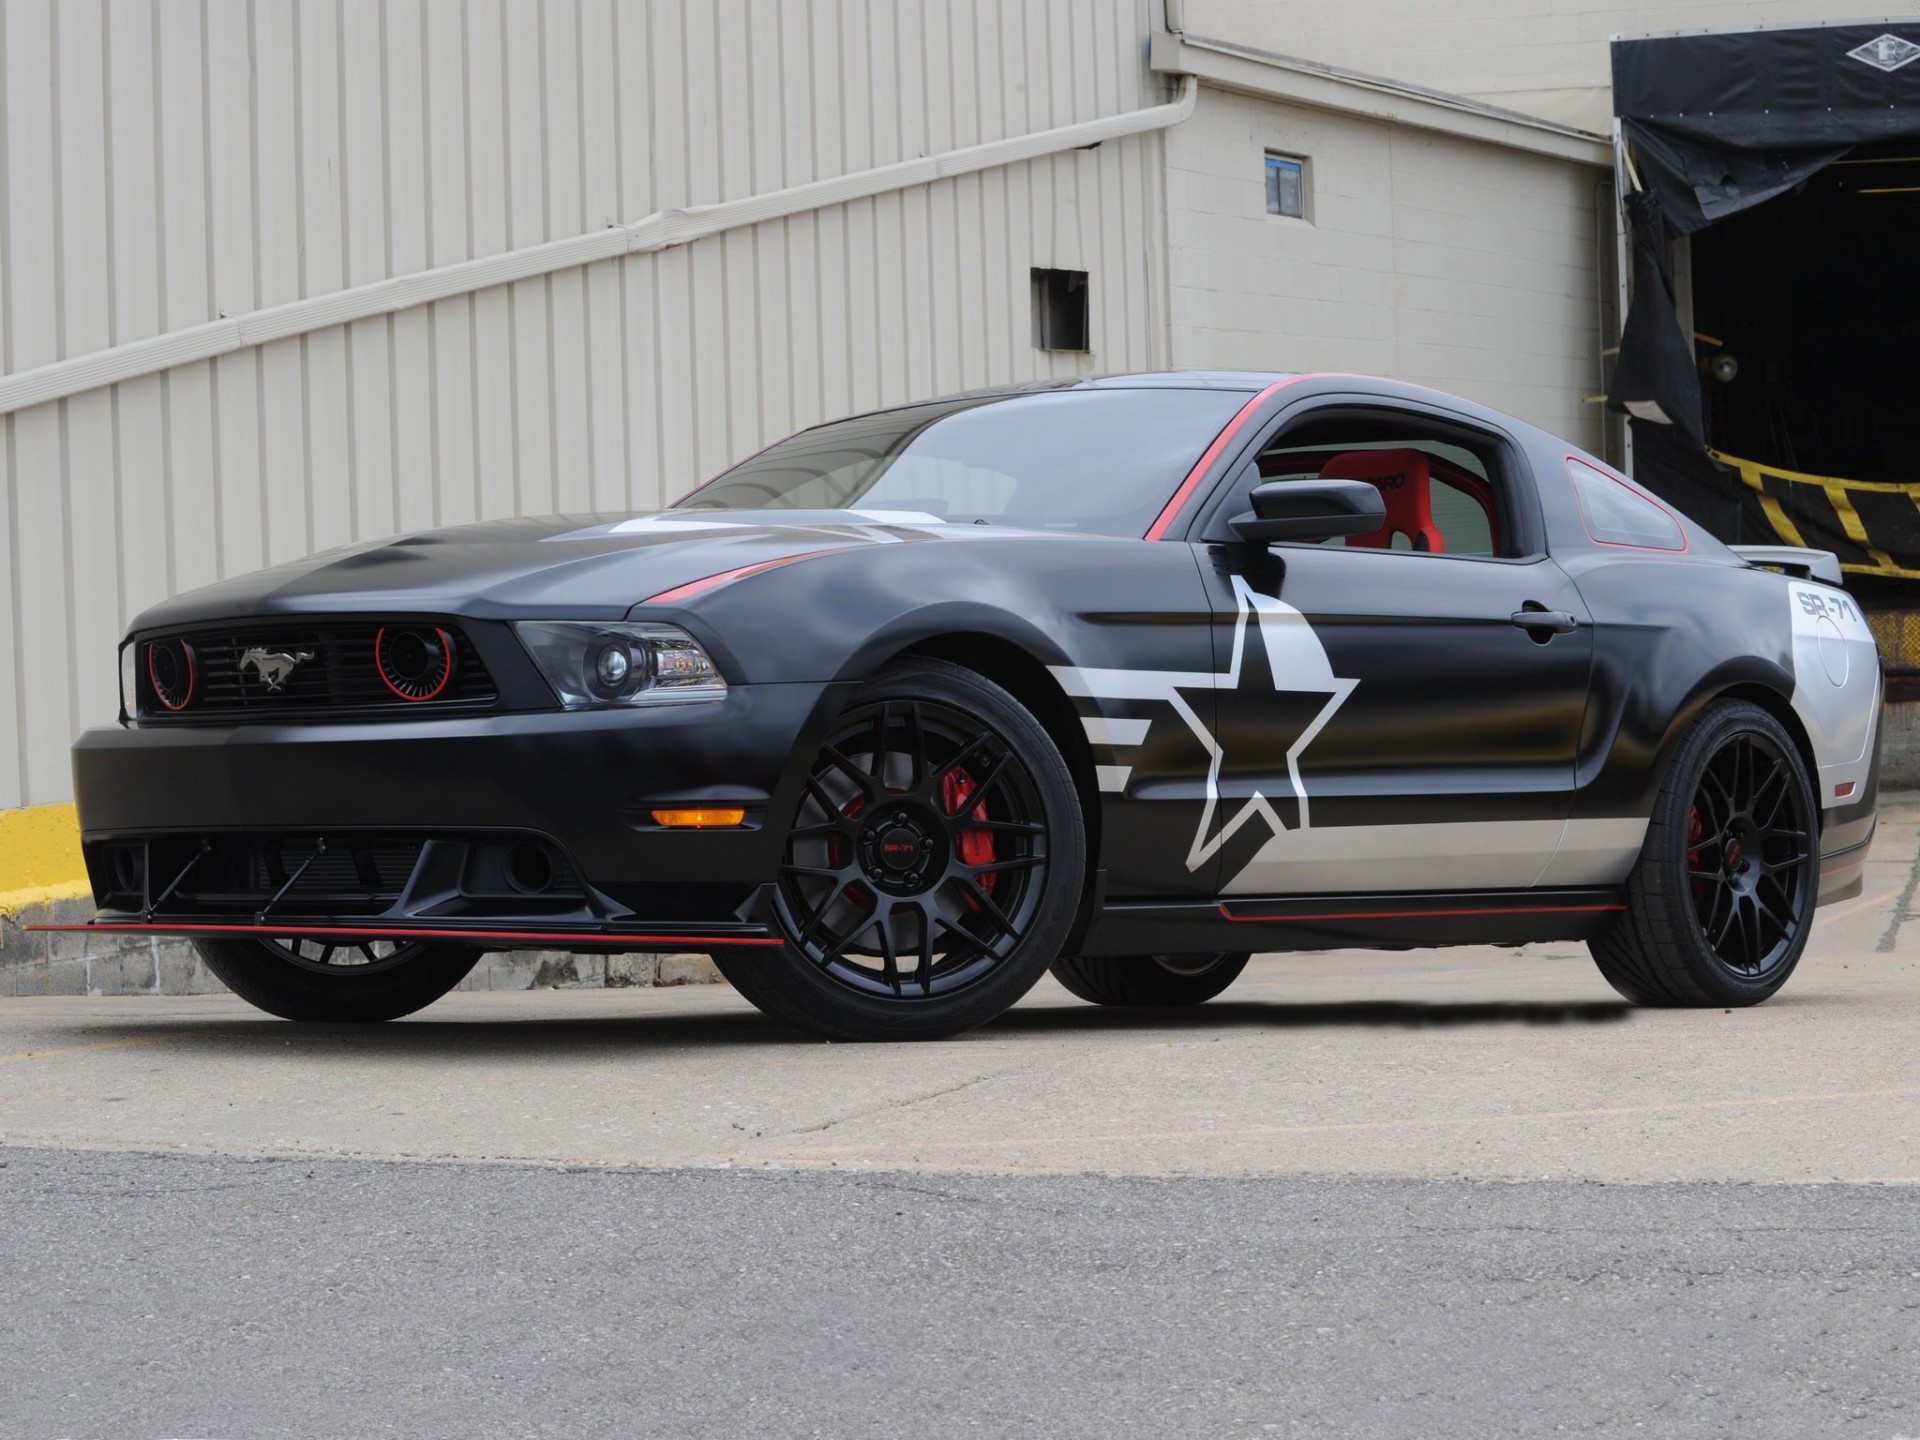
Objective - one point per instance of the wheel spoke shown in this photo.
(987, 906)
(869, 787)
(1018, 862)
(1765, 811)
(1721, 801)
(828, 805)
(923, 974)
(1783, 917)
(1006, 827)
(916, 747)
(818, 872)
(877, 760)
(831, 953)
(960, 758)
(889, 954)
(808, 832)
(983, 782)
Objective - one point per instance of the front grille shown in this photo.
(342, 675)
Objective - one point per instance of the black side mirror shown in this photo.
(1311, 510)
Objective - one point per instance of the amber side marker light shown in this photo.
(713, 819)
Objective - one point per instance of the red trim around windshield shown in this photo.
(1171, 512)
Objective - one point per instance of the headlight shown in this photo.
(614, 664)
(129, 681)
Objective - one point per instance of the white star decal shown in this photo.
(1297, 661)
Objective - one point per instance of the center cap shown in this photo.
(899, 847)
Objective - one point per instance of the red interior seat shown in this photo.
(1402, 476)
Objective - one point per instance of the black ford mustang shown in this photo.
(1127, 677)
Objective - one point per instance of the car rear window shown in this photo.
(1100, 461)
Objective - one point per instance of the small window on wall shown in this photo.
(1060, 310)
(1286, 186)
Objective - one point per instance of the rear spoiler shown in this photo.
(1821, 565)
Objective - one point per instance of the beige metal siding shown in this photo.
(165, 166)
(1444, 261)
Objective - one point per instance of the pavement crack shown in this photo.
(903, 1103)
(1902, 908)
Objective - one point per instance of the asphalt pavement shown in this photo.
(1368, 1194)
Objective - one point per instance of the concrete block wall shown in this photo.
(71, 963)
(1451, 262)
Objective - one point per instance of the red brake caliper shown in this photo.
(975, 846)
(1695, 832)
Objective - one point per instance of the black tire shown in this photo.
(907, 835)
(300, 979)
(1720, 905)
(1150, 981)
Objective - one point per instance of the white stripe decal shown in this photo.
(1102, 731)
(1112, 778)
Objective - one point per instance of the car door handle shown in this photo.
(1557, 622)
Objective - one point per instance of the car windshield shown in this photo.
(1099, 461)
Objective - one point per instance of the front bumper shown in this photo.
(580, 784)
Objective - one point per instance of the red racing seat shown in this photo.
(1402, 477)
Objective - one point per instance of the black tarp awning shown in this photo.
(1720, 123)
(1714, 125)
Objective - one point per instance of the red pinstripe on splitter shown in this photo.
(1171, 511)
(395, 932)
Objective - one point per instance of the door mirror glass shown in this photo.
(1311, 510)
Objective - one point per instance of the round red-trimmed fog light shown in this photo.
(170, 672)
(415, 663)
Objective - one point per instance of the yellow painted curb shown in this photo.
(40, 856)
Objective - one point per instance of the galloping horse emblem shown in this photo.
(274, 666)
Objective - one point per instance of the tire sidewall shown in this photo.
(266, 979)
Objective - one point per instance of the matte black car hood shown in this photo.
(587, 566)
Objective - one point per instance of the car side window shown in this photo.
(1440, 497)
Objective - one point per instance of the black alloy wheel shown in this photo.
(932, 869)
(1749, 855)
(310, 978)
(1150, 981)
(1721, 903)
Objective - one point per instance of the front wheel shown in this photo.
(932, 870)
(1721, 902)
(300, 978)
(1150, 981)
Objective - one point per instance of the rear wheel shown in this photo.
(932, 870)
(1721, 902)
(301, 978)
(1150, 980)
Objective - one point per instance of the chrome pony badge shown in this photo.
(1885, 52)
(274, 667)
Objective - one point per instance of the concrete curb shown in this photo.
(81, 964)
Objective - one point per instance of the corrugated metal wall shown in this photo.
(165, 163)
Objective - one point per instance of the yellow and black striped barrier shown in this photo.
(1872, 525)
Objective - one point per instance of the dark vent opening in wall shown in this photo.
(1060, 310)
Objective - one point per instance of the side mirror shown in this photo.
(1311, 510)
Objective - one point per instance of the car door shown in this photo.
(1392, 718)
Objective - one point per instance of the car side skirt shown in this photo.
(1379, 921)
